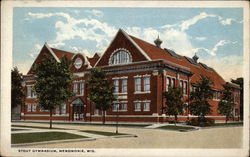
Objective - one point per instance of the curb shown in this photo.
(123, 136)
(53, 142)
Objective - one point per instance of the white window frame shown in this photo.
(116, 85)
(168, 82)
(124, 85)
(33, 108)
(75, 88)
(120, 56)
(146, 106)
(185, 86)
(57, 109)
(116, 107)
(146, 83)
(137, 106)
(29, 107)
(173, 81)
(137, 84)
(63, 108)
(81, 88)
(124, 106)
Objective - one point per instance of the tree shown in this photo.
(101, 91)
(17, 93)
(240, 81)
(52, 83)
(174, 103)
(199, 105)
(226, 104)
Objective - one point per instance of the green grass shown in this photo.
(42, 136)
(102, 133)
(37, 127)
(173, 127)
(15, 129)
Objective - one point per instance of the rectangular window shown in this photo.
(33, 107)
(96, 112)
(146, 106)
(185, 88)
(181, 85)
(30, 92)
(116, 86)
(28, 107)
(63, 109)
(115, 107)
(123, 106)
(57, 109)
(168, 80)
(137, 84)
(173, 82)
(81, 88)
(75, 87)
(124, 85)
(146, 84)
(137, 106)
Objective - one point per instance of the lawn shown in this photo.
(36, 127)
(102, 133)
(42, 136)
(173, 127)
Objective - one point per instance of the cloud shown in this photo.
(200, 38)
(213, 51)
(184, 25)
(222, 64)
(95, 12)
(24, 67)
(35, 51)
(56, 45)
(86, 29)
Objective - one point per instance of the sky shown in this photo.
(215, 35)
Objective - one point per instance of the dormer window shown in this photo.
(120, 56)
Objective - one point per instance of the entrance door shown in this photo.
(78, 112)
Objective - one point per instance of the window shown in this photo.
(33, 107)
(63, 109)
(185, 88)
(120, 57)
(96, 112)
(146, 106)
(168, 83)
(173, 82)
(75, 87)
(81, 88)
(30, 92)
(28, 107)
(115, 107)
(57, 109)
(146, 84)
(137, 106)
(116, 86)
(137, 84)
(236, 112)
(181, 85)
(124, 85)
(123, 106)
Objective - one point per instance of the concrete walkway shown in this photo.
(229, 137)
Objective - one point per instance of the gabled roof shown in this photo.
(94, 59)
(156, 53)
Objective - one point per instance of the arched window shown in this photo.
(120, 57)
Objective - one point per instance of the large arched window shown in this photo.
(120, 56)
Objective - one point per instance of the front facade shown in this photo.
(140, 73)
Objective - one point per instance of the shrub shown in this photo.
(200, 122)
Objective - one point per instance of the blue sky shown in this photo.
(214, 34)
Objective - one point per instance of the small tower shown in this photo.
(195, 58)
(158, 42)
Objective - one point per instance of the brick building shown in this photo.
(140, 72)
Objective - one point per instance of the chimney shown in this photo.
(158, 42)
(195, 58)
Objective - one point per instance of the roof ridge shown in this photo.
(62, 50)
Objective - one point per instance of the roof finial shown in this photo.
(195, 58)
(158, 42)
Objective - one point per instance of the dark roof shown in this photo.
(156, 53)
(60, 53)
